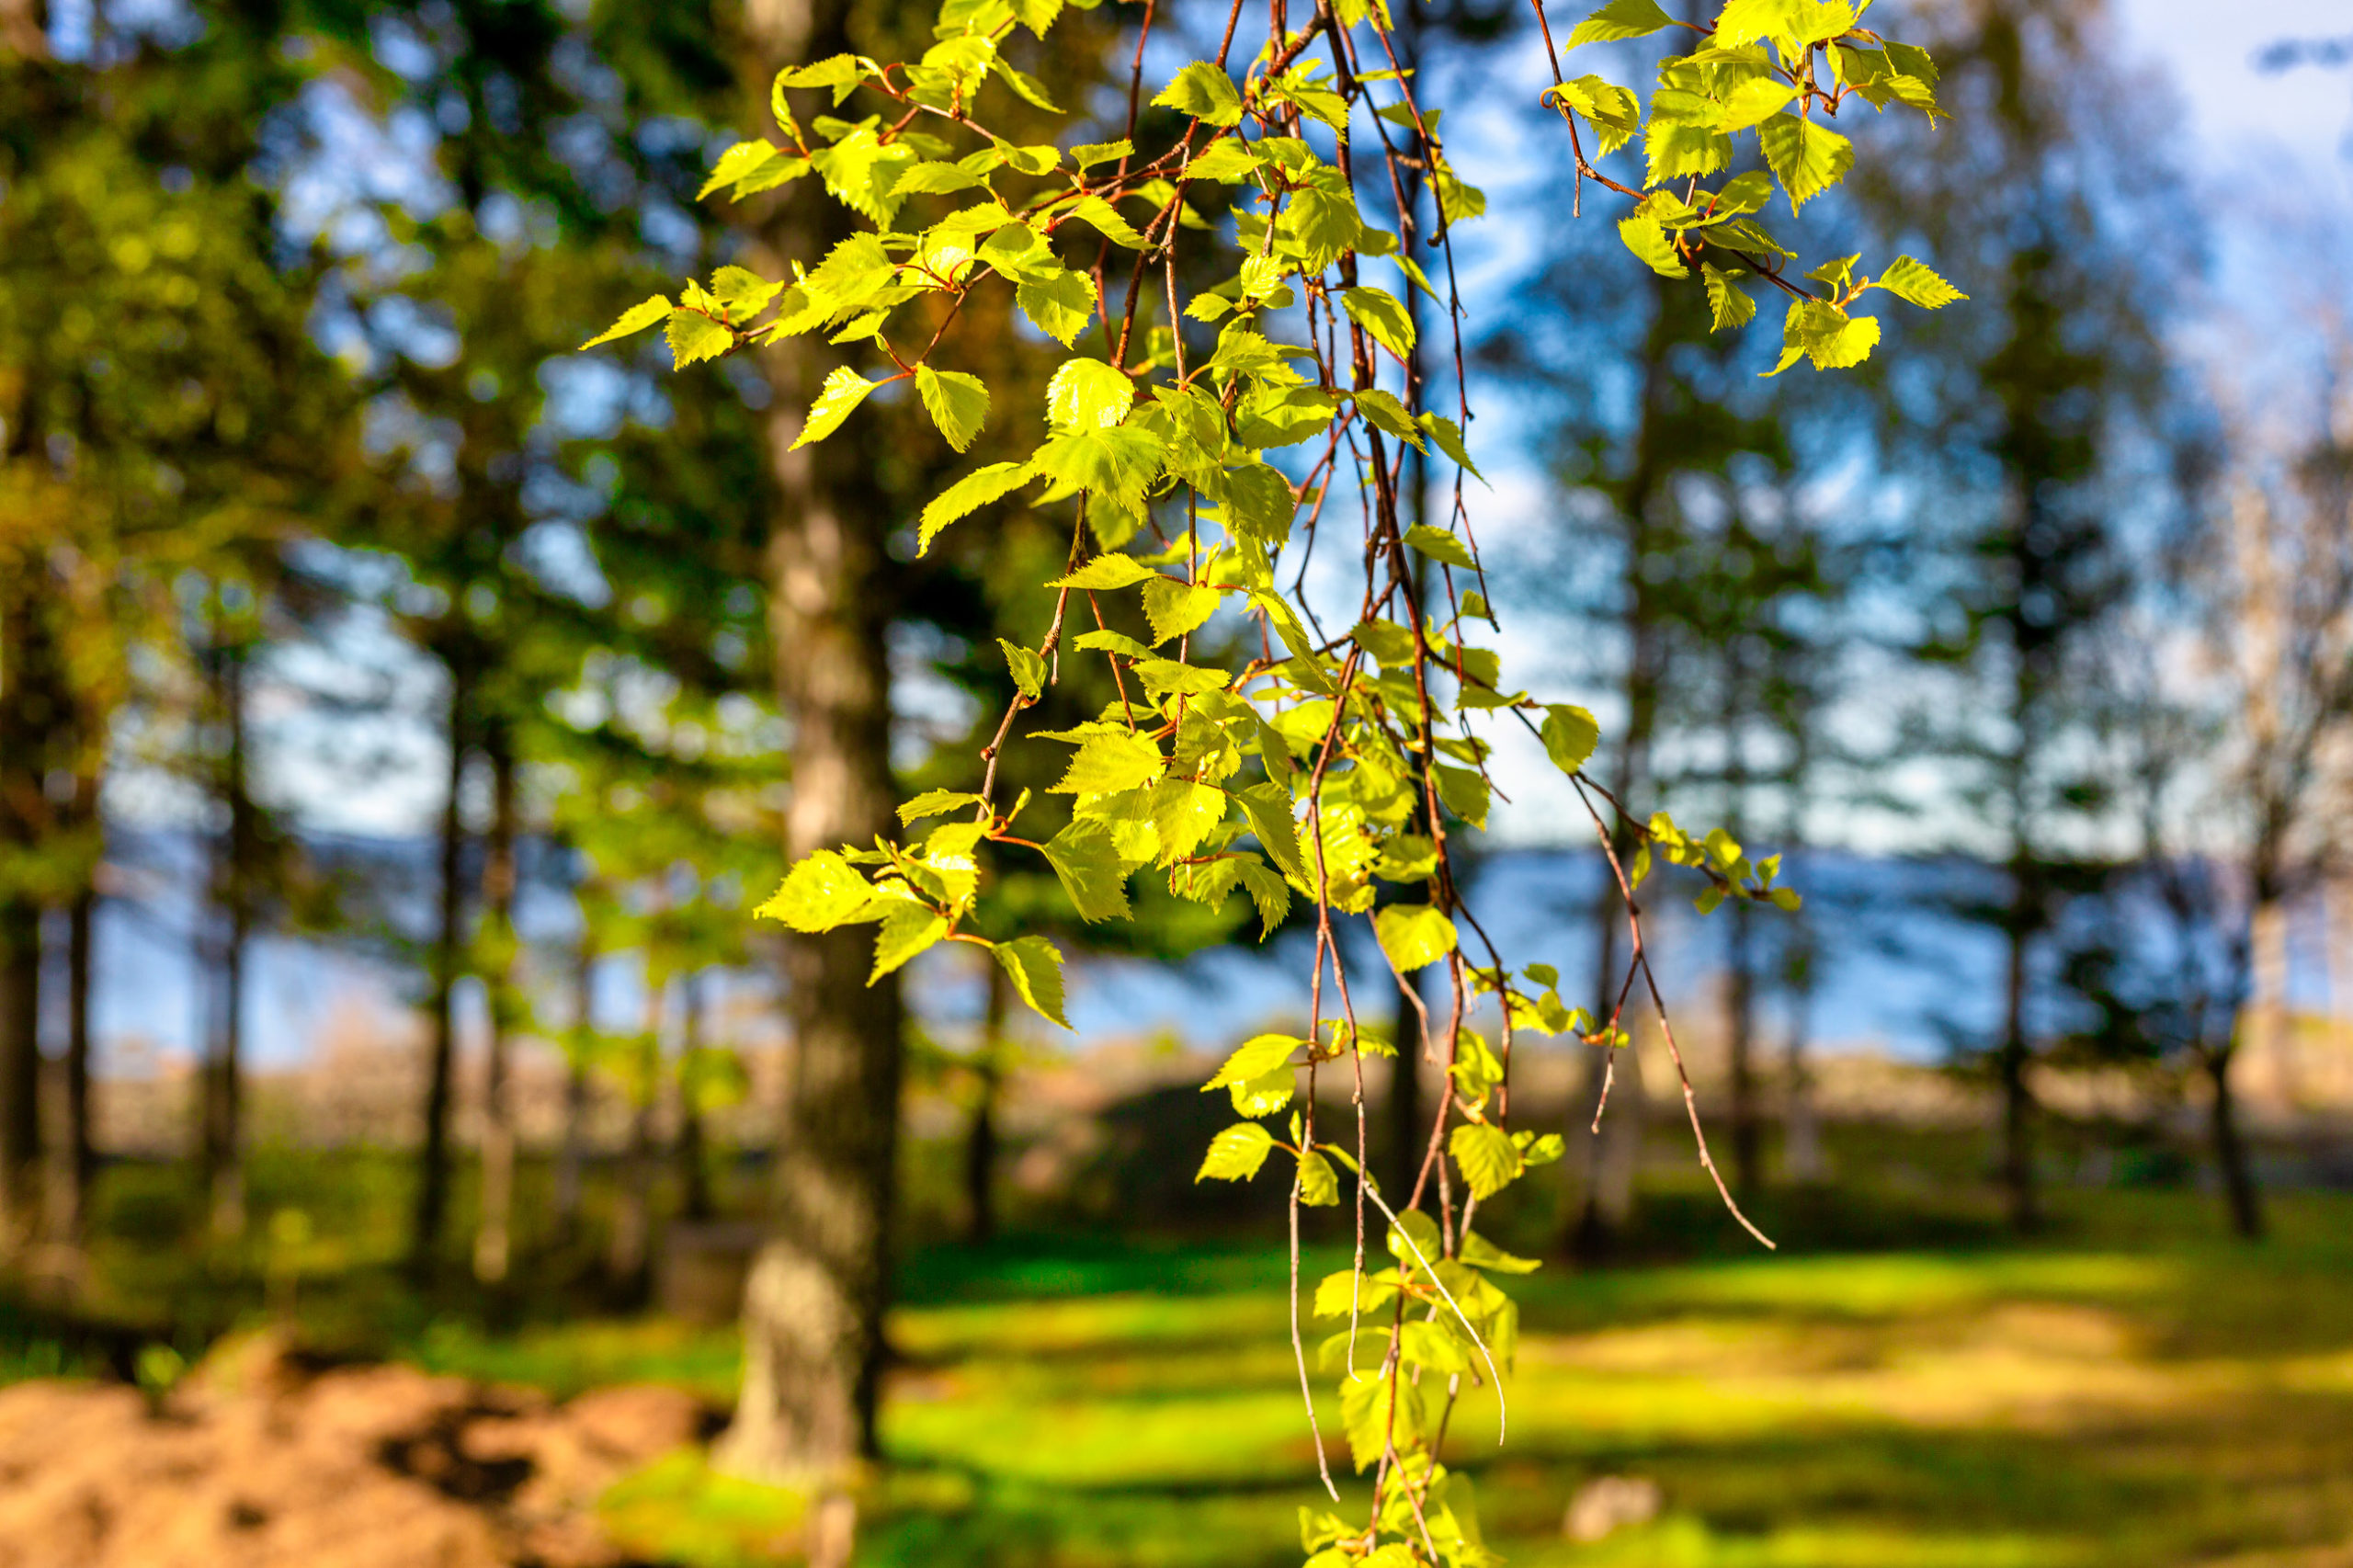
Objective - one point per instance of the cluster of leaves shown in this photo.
(1203, 450)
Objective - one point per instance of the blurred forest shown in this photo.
(401, 711)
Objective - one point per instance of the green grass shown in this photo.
(2104, 1398)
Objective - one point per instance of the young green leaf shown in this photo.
(1569, 735)
(821, 892)
(1379, 314)
(956, 402)
(1236, 1153)
(908, 929)
(1106, 571)
(1439, 546)
(1270, 893)
(1028, 668)
(1808, 158)
(694, 337)
(1035, 966)
(1087, 393)
(1059, 304)
(844, 389)
(1480, 1253)
(1729, 306)
(1619, 20)
(1449, 436)
(1263, 1095)
(635, 319)
(1486, 1158)
(1200, 91)
(1184, 814)
(1319, 1185)
(1253, 1059)
(1387, 414)
(968, 494)
(1412, 936)
(1646, 237)
(935, 803)
(1103, 765)
(1105, 220)
(1088, 865)
(1914, 283)
(1175, 609)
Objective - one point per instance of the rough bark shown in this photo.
(494, 1239)
(433, 1160)
(813, 1304)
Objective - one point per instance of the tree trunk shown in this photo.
(814, 1305)
(82, 1159)
(2230, 1150)
(1802, 1136)
(573, 1155)
(630, 1244)
(493, 1243)
(224, 1175)
(2018, 1095)
(693, 1153)
(433, 1166)
(979, 1145)
(26, 720)
(1409, 1133)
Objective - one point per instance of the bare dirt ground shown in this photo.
(263, 1459)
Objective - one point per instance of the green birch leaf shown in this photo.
(1412, 936)
(935, 803)
(842, 73)
(1646, 237)
(735, 163)
(1226, 160)
(1105, 765)
(1106, 571)
(1268, 892)
(1118, 643)
(1091, 871)
(1117, 462)
(1619, 20)
(1569, 735)
(1381, 315)
(1086, 394)
(1028, 668)
(694, 337)
(937, 179)
(1319, 1185)
(1200, 91)
(1175, 609)
(1105, 220)
(1035, 966)
(1093, 153)
(956, 402)
(1485, 1156)
(1729, 306)
(1184, 814)
(968, 494)
(1253, 1059)
(1465, 793)
(908, 929)
(1431, 1343)
(821, 892)
(635, 319)
(1264, 1096)
(1914, 283)
(1365, 1415)
(1060, 305)
(1449, 436)
(1236, 1153)
(1807, 159)
(1439, 546)
(1753, 102)
(1747, 21)
(1269, 807)
(1387, 414)
(844, 389)
(1480, 1253)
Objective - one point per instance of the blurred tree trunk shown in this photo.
(2230, 1145)
(693, 1152)
(979, 1145)
(1740, 976)
(494, 1242)
(82, 1161)
(234, 891)
(1409, 1132)
(27, 715)
(1614, 1152)
(814, 1305)
(2011, 1058)
(573, 1154)
(626, 1257)
(433, 1162)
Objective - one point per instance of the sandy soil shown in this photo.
(262, 1460)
